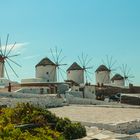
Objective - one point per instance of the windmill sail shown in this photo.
(85, 62)
(6, 59)
(58, 58)
(126, 72)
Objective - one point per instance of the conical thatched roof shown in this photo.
(45, 61)
(102, 68)
(117, 77)
(74, 66)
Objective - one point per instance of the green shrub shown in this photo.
(49, 126)
(61, 124)
(74, 131)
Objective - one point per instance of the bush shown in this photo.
(74, 131)
(70, 130)
(49, 126)
(61, 124)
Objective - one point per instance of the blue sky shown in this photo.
(95, 27)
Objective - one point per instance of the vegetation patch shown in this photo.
(26, 121)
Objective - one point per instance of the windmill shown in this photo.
(6, 59)
(85, 64)
(58, 58)
(104, 71)
(110, 64)
(126, 72)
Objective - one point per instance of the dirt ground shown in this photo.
(97, 114)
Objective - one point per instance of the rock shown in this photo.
(101, 136)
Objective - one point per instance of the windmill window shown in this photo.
(47, 73)
(48, 80)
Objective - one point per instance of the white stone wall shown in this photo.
(90, 92)
(1, 70)
(119, 82)
(42, 100)
(76, 75)
(47, 72)
(102, 77)
(72, 98)
(78, 94)
(123, 128)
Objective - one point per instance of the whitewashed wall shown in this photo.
(89, 92)
(76, 75)
(119, 82)
(77, 98)
(1, 70)
(102, 77)
(41, 72)
(78, 94)
(11, 99)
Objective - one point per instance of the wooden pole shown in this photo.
(9, 87)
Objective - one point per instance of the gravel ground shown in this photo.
(97, 114)
(94, 114)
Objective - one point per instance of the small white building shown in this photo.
(118, 80)
(75, 73)
(46, 69)
(102, 75)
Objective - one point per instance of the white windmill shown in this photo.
(80, 73)
(103, 72)
(75, 73)
(50, 70)
(118, 80)
(46, 70)
(6, 59)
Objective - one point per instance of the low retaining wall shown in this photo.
(87, 95)
(123, 128)
(85, 101)
(132, 100)
(11, 99)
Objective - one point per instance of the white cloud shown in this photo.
(18, 48)
(30, 57)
